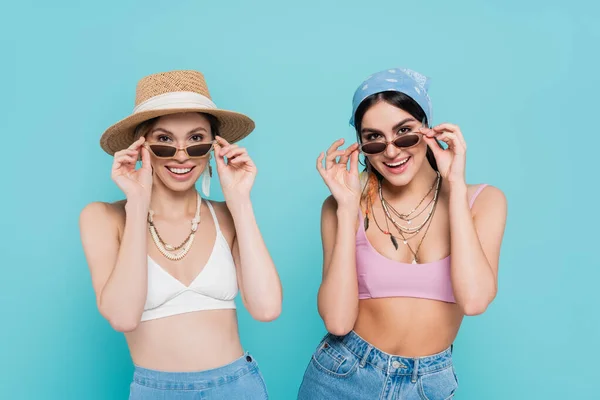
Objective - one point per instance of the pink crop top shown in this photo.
(378, 276)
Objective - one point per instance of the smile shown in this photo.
(398, 164)
(180, 171)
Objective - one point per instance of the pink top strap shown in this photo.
(479, 189)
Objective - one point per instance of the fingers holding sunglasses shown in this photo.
(239, 156)
(433, 145)
(427, 132)
(331, 159)
(222, 146)
(219, 159)
(348, 153)
(146, 159)
(234, 151)
(137, 144)
(335, 145)
(126, 156)
(354, 161)
(452, 129)
(242, 161)
(453, 142)
(123, 165)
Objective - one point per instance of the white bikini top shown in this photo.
(214, 288)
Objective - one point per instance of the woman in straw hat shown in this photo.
(391, 297)
(165, 264)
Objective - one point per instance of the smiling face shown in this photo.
(384, 122)
(180, 172)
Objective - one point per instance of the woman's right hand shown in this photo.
(136, 184)
(343, 183)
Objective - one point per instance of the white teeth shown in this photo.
(397, 164)
(180, 170)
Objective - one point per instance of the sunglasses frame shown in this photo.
(388, 142)
(148, 146)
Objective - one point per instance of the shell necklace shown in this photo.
(175, 253)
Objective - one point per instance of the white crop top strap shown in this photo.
(214, 216)
(215, 286)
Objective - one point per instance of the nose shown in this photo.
(181, 155)
(392, 151)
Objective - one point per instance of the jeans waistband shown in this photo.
(196, 380)
(390, 364)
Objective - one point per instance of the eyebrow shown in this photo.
(200, 128)
(395, 128)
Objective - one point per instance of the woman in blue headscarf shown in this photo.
(392, 298)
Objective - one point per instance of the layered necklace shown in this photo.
(410, 230)
(175, 253)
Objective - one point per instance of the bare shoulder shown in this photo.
(489, 199)
(99, 213)
(329, 216)
(223, 214)
(329, 206)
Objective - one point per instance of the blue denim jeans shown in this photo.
(349, 367)
(240, 379)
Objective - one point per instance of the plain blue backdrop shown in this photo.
(519, 77)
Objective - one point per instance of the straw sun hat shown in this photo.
(170, 93)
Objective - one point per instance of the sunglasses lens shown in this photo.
(199, 150)
(407, 140)
(373, 147)
(163, 151)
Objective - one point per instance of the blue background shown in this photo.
(519, 77)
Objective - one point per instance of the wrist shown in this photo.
(137, 206)
(239, 205)
(458, 194)
(458, 188)
(347, 211)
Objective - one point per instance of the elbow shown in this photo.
(476, 306)
(477, 303)
(338, 322)
(267, 314)
(338, 329)
(338, 326)
(123, 325)
(118, 321)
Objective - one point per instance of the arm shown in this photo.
(475, 235)
(258, 280)
(257, 277)
(338, 293)
(475, 247)
(118, 269)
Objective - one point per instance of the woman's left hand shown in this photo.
(451, 161)
(237, 173)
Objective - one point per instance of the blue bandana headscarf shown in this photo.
(403, 80)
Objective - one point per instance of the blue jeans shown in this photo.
(349, 367)
(240, 379)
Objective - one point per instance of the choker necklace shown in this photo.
(174, 253)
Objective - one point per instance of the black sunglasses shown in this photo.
(193, 151)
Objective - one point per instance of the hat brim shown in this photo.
(233, 126)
